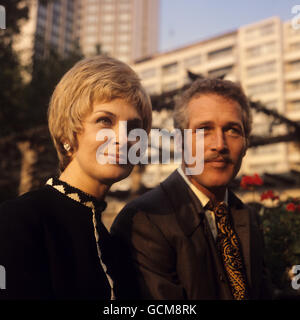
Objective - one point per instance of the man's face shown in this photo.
(224, 138)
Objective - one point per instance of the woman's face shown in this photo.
(91, 148)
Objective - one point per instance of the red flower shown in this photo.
(268, 195)
(247, 181)
(257, 180)
(291, 207)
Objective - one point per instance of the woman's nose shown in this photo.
(121, 133)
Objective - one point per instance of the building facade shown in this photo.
(265, 58)
(125, 29)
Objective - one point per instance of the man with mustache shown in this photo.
(191, 237)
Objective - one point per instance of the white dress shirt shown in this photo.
(210, 216)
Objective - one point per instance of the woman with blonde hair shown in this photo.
(53, 244)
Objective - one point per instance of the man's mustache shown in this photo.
(217, 157)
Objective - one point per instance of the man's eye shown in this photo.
(104, 121)
(234, 131)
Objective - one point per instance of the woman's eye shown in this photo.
(104, 121)
(205, 129)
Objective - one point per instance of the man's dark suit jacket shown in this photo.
(171, 251)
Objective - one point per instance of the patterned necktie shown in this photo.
(229, 248)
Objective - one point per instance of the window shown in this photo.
(91, 28)
(108, 17)
(294, 105)
(42, 11)
(151, 89)
(216, 73)
(264, 30)
(170, 68)
(124, 6)
(107, 7)
(147, 73)
(124, 58)
(55, 30)
(91, 18)
(124, 37)
(106, 38)
(253, 52)
(260, 69)
(41, 22)
(108, 27)
(170, 86)
(192, 61)
(123, 27)
(124, 16)
(294, 85)
(293, 65)
(267, 29)
(107, 48)
(264, 167)
(295, 46)
(90, 39)
(262, 88)
(265, 150)
(220, 53)
(123, 48)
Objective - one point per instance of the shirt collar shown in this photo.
(199, 194)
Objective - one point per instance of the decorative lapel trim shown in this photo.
(77, 195)
(188, 209)
(92, 203)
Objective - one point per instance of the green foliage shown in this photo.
(11, 83)
(282, 240)
(46, 73)
(24, 105)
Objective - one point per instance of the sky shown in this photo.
(183, 22)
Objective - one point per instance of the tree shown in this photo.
(11, 84)
(46, 73)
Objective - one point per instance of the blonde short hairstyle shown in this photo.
(96, 79)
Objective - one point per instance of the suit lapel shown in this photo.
(188, 209)
(241, 221)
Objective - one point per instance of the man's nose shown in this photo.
(219, 142)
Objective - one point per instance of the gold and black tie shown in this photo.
(229, 248)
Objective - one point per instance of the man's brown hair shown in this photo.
(224, 88)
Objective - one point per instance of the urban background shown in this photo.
(43, 39)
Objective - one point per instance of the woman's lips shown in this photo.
(116, 157)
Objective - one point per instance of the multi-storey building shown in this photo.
(126, 29)
(291, 67)
(264, 57)
(50, 25)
